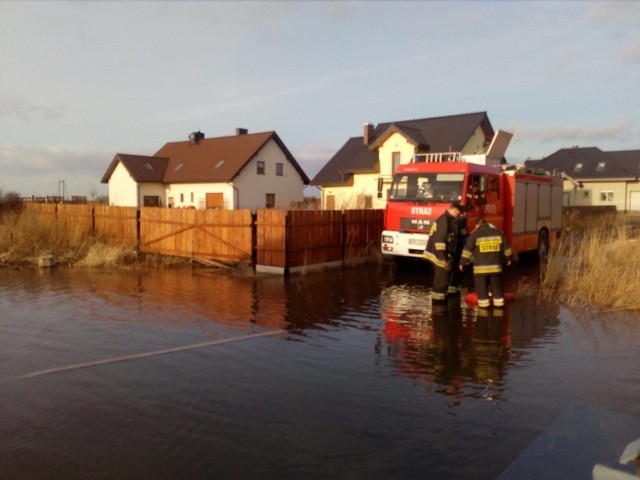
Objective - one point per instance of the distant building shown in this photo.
(597, 178)
(359, 175)
(243, 171)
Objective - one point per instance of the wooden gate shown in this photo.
(223, 235)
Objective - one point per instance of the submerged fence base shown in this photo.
(273, 241)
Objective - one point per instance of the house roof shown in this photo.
(142, 168)
(209, 160)
(437, 134)
(353, 157)
(592, 163)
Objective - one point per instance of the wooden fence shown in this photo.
(272, 240)
(294, 240)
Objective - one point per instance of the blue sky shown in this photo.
(82, 81)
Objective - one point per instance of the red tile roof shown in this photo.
(210, 160)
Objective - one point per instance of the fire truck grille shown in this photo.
(408, 223)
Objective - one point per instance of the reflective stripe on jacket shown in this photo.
(488, 249)
(437, 251)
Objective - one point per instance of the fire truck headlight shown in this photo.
(387, 239)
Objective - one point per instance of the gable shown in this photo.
(141, 168)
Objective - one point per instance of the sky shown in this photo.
(82, 81)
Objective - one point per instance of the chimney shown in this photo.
(368, 133)
(241, 131)
(195, 137)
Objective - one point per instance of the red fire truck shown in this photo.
(524, 204)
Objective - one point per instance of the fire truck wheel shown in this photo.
(543, 245)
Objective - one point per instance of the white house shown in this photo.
(597, 178)
(359, 175)
(243, 171)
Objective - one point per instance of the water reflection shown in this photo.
(455, 350)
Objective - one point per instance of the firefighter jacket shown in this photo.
(488, 249)
(460, 235)
(438, 249)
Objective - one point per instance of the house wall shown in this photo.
(592, 193)
(475, 143)
(395, 143)
(151, 190)
(350, 198)
(187, 195)
(122, 188)
(253, 187)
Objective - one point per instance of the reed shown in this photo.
(596, 267)
(24, 237)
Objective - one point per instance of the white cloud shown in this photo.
(23, 109)
(41, 170)
(632, 54)
(312, 158)
(572, 133)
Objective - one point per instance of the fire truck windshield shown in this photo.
(427, 187)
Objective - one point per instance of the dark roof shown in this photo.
(210, 160)
(591, 163)
(353, 157)
(437, 134)
(629, 158)
(141, 167)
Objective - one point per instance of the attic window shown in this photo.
(578, 167)
(148, 166)
(178, 167)
(219, 164)
(600, 167)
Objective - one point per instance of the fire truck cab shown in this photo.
(524, 204)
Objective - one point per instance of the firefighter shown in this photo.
(489, 250)
(439, 251)
(460, 235)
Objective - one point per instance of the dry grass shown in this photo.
(597, 266)
(24, 237)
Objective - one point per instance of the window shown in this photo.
(148, 166)
(586, 193)
(151, 201)
(364, 202)
(178, 167)
(270, 200)
(191, 197)
(606, 196)
(279, 169)
(600, 167)
(260, 168)
(395, 161)
(578, 167)
(182, 198)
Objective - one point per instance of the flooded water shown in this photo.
(344, 374)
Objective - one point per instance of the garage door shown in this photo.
(634, 204)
